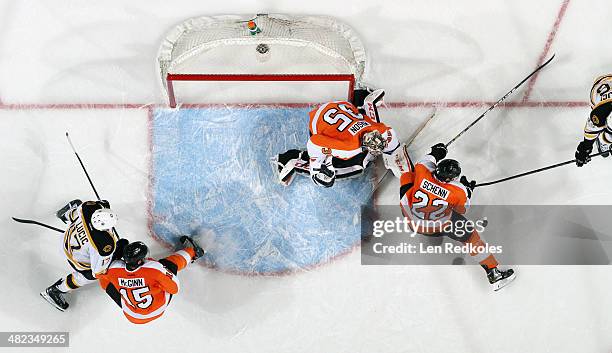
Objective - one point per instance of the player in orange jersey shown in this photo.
(143, 287)
(435, 202)
(343, 141)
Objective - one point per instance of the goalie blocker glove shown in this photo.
(583, 152)
(324, 176)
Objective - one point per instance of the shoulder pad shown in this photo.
(461, 187)
(104, 242)
(599, 115)
(428, 162)
(117, 264)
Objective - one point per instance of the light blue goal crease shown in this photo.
(213, 179)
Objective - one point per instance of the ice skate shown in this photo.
(55, 296)
(499, 278)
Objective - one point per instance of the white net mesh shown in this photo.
(296, 45)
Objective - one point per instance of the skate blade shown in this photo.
(50, 301)
(504, 282)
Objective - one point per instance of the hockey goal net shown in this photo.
(266, 49)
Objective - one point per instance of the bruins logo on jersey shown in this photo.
(601, 114)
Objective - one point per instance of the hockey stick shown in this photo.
(29, 221)
(82, 166)
(500, 100)
(535, 171)
(86, 174)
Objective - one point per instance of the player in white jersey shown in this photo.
(598, 128)
(89, 244)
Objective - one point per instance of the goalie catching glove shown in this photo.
(325, 175)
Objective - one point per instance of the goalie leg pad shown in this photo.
(286, 164)
(399, 161)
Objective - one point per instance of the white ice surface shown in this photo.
(103, 52)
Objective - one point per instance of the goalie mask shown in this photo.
(374, 142)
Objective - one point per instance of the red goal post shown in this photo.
(349, 78)
(264, 48)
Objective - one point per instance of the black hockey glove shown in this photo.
(359, 96)
(438, 151)
(585, 147)
(104, 203)
(61, 213)
(469, 185)
(118, 254)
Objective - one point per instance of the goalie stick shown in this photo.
(500, 100)
(408, 143)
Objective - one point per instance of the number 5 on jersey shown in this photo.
(140, 297)
(332, 116)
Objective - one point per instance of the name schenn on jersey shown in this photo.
(434, 189)
(131, 282)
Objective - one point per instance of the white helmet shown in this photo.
(103, 219)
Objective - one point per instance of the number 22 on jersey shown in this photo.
(428, 208)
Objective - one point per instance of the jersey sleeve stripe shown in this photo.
(315, 118)
(185, 255)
